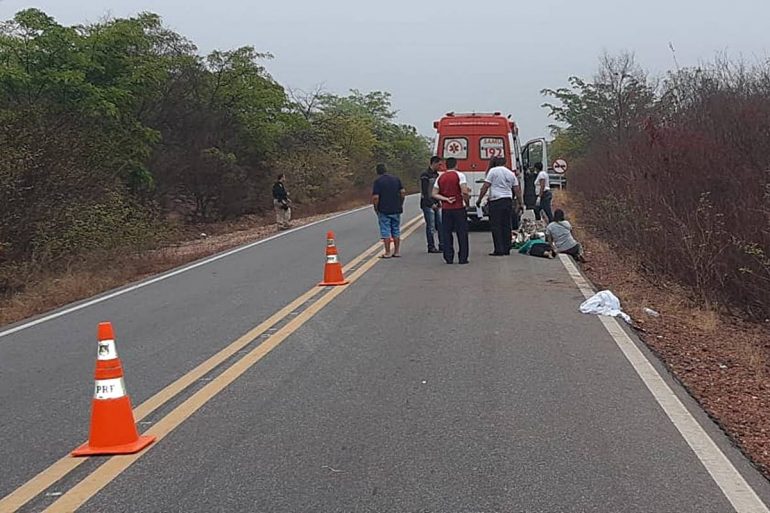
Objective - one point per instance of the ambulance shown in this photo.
(474, 138)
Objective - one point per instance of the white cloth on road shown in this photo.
(604, 303)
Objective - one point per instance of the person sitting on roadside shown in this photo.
(559, 234)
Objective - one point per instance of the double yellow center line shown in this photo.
(104, 474)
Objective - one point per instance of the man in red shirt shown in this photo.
(452, 190)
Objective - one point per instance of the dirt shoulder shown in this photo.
(720, 359)
(94, 274)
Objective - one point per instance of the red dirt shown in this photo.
(721, 359)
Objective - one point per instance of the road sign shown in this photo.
(560, 166)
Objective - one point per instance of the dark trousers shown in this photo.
(574, 251)
(515, 219)
(545, 207)
(455, 221)
(500, 212)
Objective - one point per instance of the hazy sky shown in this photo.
(437, 56)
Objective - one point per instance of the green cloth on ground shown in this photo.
(524, 250)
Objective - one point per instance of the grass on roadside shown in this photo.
(44, 290)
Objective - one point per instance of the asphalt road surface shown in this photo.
(419, 387)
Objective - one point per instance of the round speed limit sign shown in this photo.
(560, 166)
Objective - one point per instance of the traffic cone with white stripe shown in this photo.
(333, 268)
(113, 430)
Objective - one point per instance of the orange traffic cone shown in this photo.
(333, 268)
(113, 430)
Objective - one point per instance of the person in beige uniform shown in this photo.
(281, 203)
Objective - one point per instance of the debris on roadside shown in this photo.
(604, 303)
(528, 230)
(692, 340)
(651, 312)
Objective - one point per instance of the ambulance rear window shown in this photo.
(456, 147)
(491, 147)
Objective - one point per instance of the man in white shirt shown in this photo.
(544, 195)
(501, 183)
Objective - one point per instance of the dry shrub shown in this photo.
(58, 201)
(706, 320)
(38, 290)
(689, 192)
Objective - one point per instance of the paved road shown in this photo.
(420, 387)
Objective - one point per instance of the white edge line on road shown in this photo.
(169, 274)
(733, 485)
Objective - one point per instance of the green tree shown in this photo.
(106, 128)
(608, 108)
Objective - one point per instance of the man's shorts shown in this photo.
(390, 225)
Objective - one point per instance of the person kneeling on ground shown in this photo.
(559, 234)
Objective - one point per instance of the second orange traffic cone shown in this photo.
(333, 268)
(113, 430)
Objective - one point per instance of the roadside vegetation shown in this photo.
(670, 191)
(676, 172)
(118, 137)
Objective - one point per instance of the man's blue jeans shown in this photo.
(433, 225)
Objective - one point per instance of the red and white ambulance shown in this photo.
(474, 138)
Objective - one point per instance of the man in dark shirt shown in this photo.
(281, 203)
(388, 199)
(431, 208)
(530, 195)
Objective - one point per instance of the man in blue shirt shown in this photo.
(388, 199)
